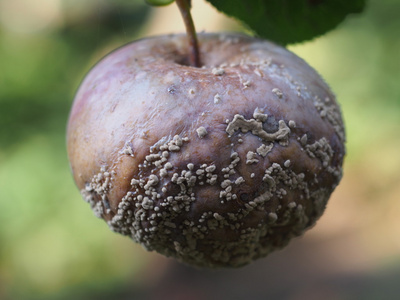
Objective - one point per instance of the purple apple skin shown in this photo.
(216, 166)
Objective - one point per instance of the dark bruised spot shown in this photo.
(245, 197)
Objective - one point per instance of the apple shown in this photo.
(215, 165)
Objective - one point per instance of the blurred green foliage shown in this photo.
(288, 22)
(51, 246)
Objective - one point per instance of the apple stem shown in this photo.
(194, 53)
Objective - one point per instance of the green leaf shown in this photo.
(159, 2)
(289, 21)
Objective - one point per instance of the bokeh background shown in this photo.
(51, 245)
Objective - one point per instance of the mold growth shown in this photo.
(217, 98)
(277, 92)
(323, 151)
(201, 132)
(255, 126)
(218, 71)
(128, 149)
(164, 209)
(96, 192)
(329, 110)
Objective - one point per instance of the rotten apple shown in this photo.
(215, 165)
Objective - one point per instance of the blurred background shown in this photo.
(51, 245)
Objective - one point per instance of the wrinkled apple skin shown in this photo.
(215, 166)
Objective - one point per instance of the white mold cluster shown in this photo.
(165, 209)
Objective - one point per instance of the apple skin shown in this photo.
(216, 166)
